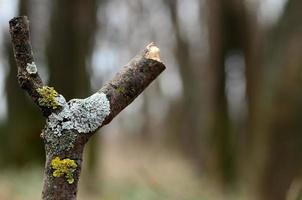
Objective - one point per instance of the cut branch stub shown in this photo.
(132, 80)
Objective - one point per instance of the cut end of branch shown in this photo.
(153, 52)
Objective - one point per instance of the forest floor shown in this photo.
(129, 171)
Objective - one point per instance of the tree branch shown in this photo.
(69, 125)
(132, 80)
(28, 77)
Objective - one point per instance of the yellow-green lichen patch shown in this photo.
(64, 167)
(120, 89)
(48, 97)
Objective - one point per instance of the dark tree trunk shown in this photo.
(229, 33)
(283, 125)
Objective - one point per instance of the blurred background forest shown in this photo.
(224, 121)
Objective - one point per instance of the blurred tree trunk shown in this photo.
(252, 137)
(73, 28)
(184, 117)
(283, 163)
(24, 123)
(230, 31)
(73, 25)
(221, 158)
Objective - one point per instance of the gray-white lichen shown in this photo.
(31, 68)
(81, 115)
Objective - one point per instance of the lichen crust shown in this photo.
(64, 167)
(31, 68)
(82, 115)
(48, 97)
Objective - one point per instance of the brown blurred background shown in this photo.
(224, 121)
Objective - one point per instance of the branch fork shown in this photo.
(69, 125)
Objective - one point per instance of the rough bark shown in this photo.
(19, 30)
(69, 125)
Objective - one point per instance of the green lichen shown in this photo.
(48, 97)
(120, 89)
(64, 167)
